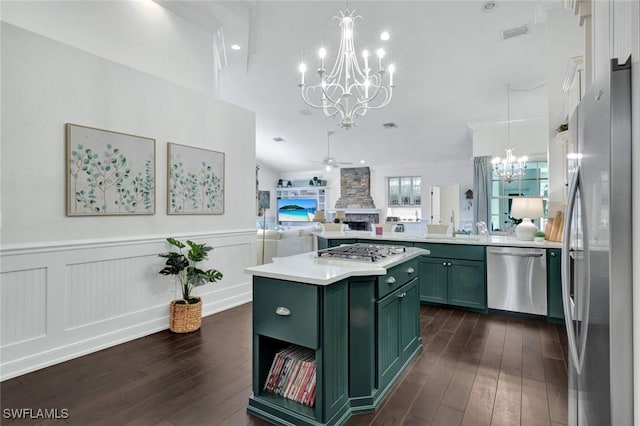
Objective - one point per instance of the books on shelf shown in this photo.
(293, 375)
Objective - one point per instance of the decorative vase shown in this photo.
(183, 317)
(538, 239)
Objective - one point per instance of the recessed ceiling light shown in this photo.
(385, 36)
(361, 161)
(304, 112)
(235, 47)
(489, 6)
(278, 139)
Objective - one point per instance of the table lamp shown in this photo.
(319, 216)
(525, 209)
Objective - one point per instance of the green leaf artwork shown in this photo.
(109, 173)
(196, 180)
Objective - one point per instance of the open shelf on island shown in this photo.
(283, 373)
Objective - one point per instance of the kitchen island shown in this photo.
(354, 327)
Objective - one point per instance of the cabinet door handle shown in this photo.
(401, 295)
(281, 310)
(390, 280)
(410, 270)
(552, 254)
(444, 263)
(449, 264)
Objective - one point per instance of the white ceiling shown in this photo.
(452, 69)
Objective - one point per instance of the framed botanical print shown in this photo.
(109, 173)
(195, 180)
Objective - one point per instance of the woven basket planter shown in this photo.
(185, 318)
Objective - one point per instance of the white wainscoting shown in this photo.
(62, 300)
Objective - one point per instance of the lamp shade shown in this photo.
(525, 209)
(319, 216)
(522, 207)
(340, 214)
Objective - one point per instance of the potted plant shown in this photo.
(185, 315)
(538, 237)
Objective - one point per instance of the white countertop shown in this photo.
(308, 268)
(492, 240)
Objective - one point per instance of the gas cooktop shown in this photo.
(361, 252)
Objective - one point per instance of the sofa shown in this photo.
(284, 242)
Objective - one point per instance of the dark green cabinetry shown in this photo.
(315, 317)
(434, 280)
(398, 330)
(454, 274)
(364, 330)
(555, 309)
(467, 284)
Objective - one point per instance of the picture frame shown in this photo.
(195, 180)
(109, 173)
(264, 199)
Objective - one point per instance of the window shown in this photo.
(534, 183)
(404, 191)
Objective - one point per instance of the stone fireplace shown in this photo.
(355, 198)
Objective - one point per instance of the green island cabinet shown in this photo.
(364, 332)
(454, 274)
(555, 309)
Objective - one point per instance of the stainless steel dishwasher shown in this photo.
(517, 279)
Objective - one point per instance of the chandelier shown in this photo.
(348, 91)
(510, 167)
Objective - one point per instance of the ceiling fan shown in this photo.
(329, 162)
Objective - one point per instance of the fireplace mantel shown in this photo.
(355, 211)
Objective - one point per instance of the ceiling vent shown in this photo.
(390, 125)
(515, 32)
(305, 112)
(278, 139)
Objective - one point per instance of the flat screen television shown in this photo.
(297, 209)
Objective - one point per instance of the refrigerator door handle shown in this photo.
(566, 276)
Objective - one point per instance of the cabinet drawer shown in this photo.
(286, 311)
(396, 277)
(454, 251)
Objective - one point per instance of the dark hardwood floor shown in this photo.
(474, 370)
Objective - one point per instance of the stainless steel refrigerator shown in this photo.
(597, 257)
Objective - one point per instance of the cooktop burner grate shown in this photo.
(361, 252)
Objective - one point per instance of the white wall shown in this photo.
(139, 34)
(72, 285)
(440, 174)
(528, 137)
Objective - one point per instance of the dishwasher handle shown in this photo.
(516, 254)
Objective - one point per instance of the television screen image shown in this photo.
(297, 210)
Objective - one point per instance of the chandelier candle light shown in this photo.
(348, 90)
(509, 168)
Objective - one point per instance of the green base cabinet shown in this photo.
(433, 280)
(555, 308)
(453, 274)
(317, 318)
(398, 331)
(467, 284)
